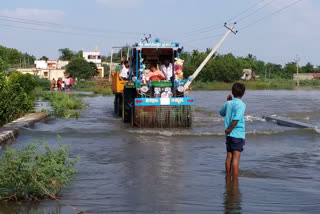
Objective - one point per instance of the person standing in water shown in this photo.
(233, 111)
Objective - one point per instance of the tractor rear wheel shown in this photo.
(128, 97)
(118, 104)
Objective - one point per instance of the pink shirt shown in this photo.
(71, 80)
(155, 73)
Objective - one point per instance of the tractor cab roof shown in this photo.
(157, 44)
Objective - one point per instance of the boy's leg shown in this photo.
(235, 162)
(229, 162)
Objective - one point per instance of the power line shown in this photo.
(244, 11)
(218, 26)
(274, 13)
(260, 8)
(204, 38)
(61, 32)
(57, 25)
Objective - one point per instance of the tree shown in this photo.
(289, 69)
(94, 69)
(81, 69)
(66, 54)
(44, 58)
(3, 69)
(308, 68)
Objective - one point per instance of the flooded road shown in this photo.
(131, 170)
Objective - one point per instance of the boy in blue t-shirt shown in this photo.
(233, 111)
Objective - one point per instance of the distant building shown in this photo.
(306, 76)
(95, 58)
(52, 64)
(41, 64)
(62, 64)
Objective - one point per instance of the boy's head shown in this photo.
(238, 89)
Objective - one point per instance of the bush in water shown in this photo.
(64, 105)
(35, 172)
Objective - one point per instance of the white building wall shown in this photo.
(62, 64)
(41, 64)
(93, 57)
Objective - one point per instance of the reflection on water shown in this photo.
(232, 195)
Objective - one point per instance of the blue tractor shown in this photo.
(154, 102)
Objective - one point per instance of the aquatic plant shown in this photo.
(64, 105)
(35, 172)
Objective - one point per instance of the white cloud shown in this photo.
(121, 3)
(34, 14)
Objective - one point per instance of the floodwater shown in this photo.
(131, 170)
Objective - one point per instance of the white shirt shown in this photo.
(167, 71)
(124, 72)
(67, 81)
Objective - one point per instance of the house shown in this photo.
(95, 58)
(41, 64)
(52, 64)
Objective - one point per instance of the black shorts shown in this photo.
(234, 144)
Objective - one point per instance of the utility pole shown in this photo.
(265, 74)
(269, 75)
(297, 59)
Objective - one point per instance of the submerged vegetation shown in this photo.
(64, 105)
(94, 86)
(35, 172)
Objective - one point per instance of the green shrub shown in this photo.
(26, 81)
(14, 101)
(36, 171)
(64, 105)
(44, 83)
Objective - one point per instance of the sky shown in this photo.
(196, 24)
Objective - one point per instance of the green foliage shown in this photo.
(34, 172)
(44, 58)
(81, 69)
(43, 83)
(91, 86)
(16, 96)
(3, 69)
(14, 58)
(66, 54)
(26, 81)
(64, 105)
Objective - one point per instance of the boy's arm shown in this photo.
(223, 110)
(233, 124)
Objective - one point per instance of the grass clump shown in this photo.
(35, 172)
(93, 86)
(64, 105)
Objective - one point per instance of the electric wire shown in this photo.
(56, 25)
(270, 15)
(61, 32)
(257, 10)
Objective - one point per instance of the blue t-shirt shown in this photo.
(234, 110)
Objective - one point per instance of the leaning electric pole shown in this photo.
(297, 59)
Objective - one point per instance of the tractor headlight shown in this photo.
(168, 89)
(181, 89)
(144, 89)
(157, 90)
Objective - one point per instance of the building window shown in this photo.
(45, 74)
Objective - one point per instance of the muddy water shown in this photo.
(128, 170)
